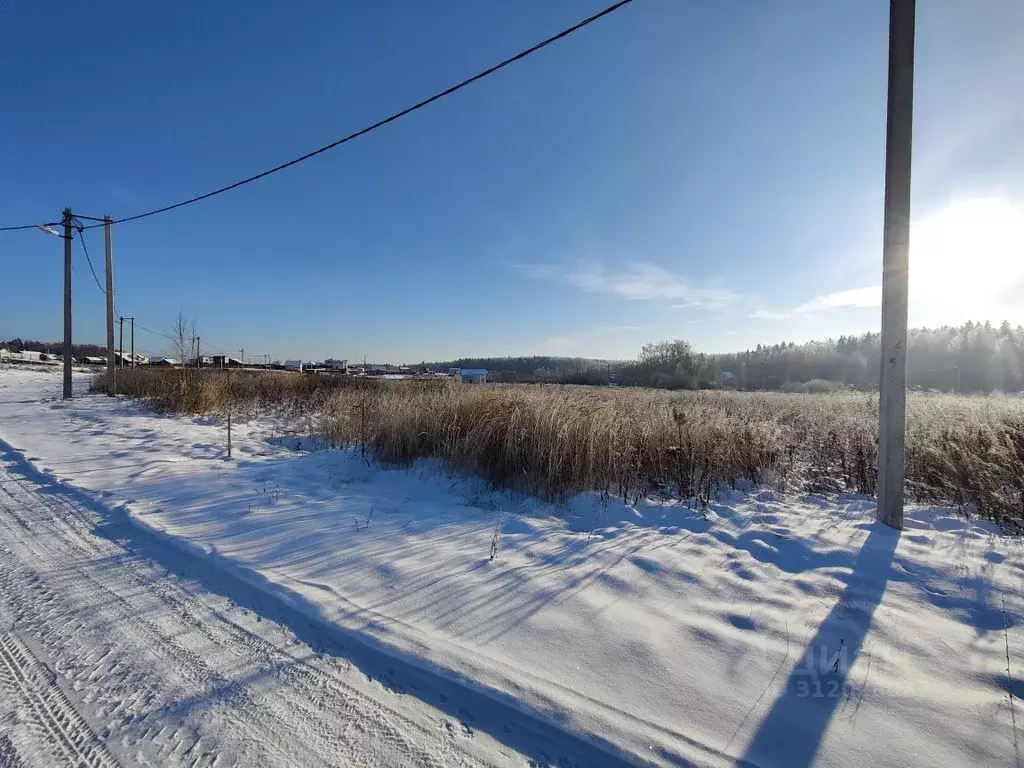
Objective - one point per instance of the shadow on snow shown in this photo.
(535, 737)
(792, 731)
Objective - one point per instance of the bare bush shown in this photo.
(184, 335)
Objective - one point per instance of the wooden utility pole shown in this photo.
(199, 353)
(133, 340)
(892, 408)
(111, 368)
(67, 303)
(120, 344)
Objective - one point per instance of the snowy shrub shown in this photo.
(821, 386)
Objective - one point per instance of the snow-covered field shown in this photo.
(769, 631)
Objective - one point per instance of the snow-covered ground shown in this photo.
(770, 631)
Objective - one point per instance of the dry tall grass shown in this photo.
(553, 441)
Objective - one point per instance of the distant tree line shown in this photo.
(665, 364)
(53, 347)
(972, 358)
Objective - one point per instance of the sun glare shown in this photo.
(970, 254)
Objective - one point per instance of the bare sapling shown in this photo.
(495, 535)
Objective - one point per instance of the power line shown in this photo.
(141, 327)
(85, 248)
(81, 237)
(30, 226)
(362, 132)
(138, 325)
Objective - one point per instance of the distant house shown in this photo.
(164, 362)
(473, 375)
(94, 360)
(5, 355)
(127, 360)
(226, 361)
(293, 365)
(336, 365)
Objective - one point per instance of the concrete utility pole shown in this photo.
(131, 320)
(67, 303)
(111, 368)
(120, 344)
(892, 408)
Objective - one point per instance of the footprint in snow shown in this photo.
(463, 730)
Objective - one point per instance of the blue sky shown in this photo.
(704, 170)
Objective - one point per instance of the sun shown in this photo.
(967, 259)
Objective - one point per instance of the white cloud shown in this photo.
(852, 298)
(640, 281)
(870, 296)
(708, 298)
(767, 314)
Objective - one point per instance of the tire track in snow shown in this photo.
(301, 712)
(51, 711)
(304, 712)
(92, 651)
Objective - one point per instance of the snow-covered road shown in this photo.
(117, 649)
